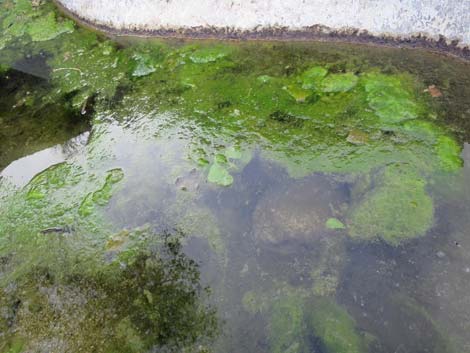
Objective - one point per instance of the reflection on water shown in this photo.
(21, 171)
(267, 197)
(29, 120)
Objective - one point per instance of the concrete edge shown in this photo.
(312, 33)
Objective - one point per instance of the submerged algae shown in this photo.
(300, 323)
(396, 209)
(335, 327)
(149, 297)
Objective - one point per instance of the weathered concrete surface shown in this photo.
(399, 18)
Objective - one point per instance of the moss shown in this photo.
(334, 327)
(398, 208)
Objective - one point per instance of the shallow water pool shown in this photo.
(181, 196)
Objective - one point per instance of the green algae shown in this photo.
(88, 68)
(102, 196)
(299, 323)
(29, 121)
(442, 339)
(309, 117)
(335, 83)
(334, 223)
(335, 327)
(209, 55)
(449, 152)
(312, 77)
(287, 326)
(219, 175)
(39, 21)
(398, 209)
(47, 28)
(390, 99)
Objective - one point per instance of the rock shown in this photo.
(434, 91)
(297, 212)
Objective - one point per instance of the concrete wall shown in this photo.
(402, 18)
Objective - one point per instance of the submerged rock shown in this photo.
(298, 212)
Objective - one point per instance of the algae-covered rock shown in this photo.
(87, 68)
(396, 209)
(297, 213)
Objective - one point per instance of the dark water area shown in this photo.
(200, 196)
